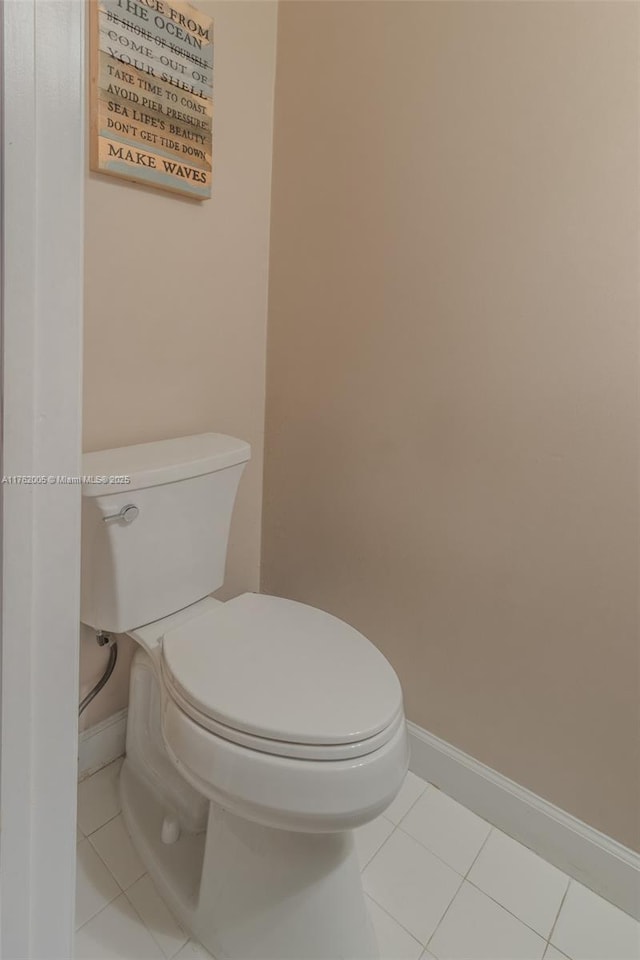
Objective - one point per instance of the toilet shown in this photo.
(261, 731)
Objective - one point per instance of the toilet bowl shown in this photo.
(283, 714)
(275, 875)
(260, 732)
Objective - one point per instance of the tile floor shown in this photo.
(441, 883)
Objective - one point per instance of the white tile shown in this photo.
(393, 940)
(590, 928)
(117, 933)
(553, 954)
(193, 951)
(410, 790)
(156, 916)
(521, 881)
(448, 829)
(99, 798)
(476, 928)
(114, 846)
(370, 838)
(411, 884)
(95, 886)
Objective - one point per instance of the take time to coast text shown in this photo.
(155, 83)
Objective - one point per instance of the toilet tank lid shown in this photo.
(163, 461)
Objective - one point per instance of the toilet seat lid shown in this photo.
(283, 671)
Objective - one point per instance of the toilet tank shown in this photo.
(155, 527)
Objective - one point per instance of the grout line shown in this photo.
(541, 936)
(371, 897)
(427, 785)
(515, 915)
(462, 877)
(555, 922)
(506, 910)
(123, 893)
(482, 846)
(101, 858)
(87, 776)
(439, 923)
(110, 820)
(120, 893)
(395, 920)
(465, 878)
(433, 854)
(150, 929)
(377, 851)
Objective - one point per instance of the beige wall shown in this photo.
(176, 300)
(452, 370)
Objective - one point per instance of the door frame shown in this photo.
(42, 242)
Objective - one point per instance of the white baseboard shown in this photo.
(599, 862)
(101, 744)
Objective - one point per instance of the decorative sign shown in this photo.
(152, 93)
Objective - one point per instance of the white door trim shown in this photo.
(43, 181)
(596, 860)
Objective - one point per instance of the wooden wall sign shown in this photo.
(152, 93)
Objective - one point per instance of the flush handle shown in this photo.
(126, 515)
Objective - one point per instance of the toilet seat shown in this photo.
(285, 748)
(261, 671)
(284, 792)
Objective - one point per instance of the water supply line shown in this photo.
(104, 640)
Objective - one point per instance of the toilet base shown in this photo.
(176, 868)
(250, 892)
(270, 894)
